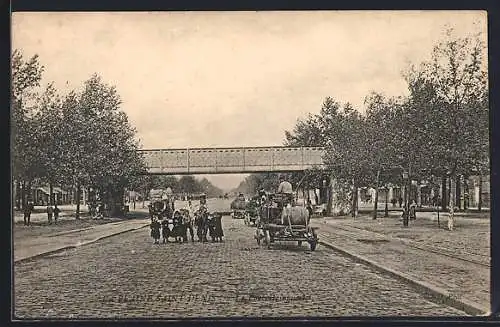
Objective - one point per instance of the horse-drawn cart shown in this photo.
(281, 221)
(161, 204)
(252, 212)
(238, 207)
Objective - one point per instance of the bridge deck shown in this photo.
(232, 160)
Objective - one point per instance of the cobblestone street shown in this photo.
(127, 276)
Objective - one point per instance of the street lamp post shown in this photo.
(405, 208)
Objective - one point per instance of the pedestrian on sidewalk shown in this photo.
(400, 201)
(50, 211)
(393, 201)
(27, 213)
(56, 213)
(413, 210)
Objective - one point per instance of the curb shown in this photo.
(442, 295)
(413, 245)
(69, 232)
(68, 247)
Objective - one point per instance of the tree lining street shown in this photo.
(427, 148)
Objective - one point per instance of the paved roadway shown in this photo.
(126, 276)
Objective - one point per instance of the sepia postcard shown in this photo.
(264, 164)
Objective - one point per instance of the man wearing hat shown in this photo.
(169, 197)
(285, 188)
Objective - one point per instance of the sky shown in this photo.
(203, 79)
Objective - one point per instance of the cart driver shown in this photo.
(285, 188)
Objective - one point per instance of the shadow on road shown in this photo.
(290, 247)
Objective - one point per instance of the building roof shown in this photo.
(55, 190)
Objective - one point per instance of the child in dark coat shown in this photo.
(155, 230)
(219, 233)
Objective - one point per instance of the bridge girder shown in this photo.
(234, 160)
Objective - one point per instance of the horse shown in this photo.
(270, 214)
(161, 209)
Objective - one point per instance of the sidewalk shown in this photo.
(453, 265)
(368, 207)
(31, 247)
(40, 215)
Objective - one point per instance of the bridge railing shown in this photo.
(235, 159)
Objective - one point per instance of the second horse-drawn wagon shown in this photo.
(252, 211)
(280, 220)
(161, 204)
(238, 207)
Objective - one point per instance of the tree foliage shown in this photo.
(185, 184)
(441, 127)
(82, 139)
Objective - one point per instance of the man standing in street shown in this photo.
(27, 213)
(190, 219)
(56, 213)
(413, 210)
(50, 211)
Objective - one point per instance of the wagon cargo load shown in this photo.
(295, 216)
(156, 194)
(239, 203)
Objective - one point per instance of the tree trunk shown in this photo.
(23, 195)
(451, 215)
(117, 202)
(18, 195)
(444, 195)
(458, 193)
(51, 194)
(480, 200)
(375, 202)
(419, 193)
(329, 204)
(28, 192)
(354, 199)
(77, 214)
(466, 193)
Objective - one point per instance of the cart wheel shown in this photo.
(313, 245)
